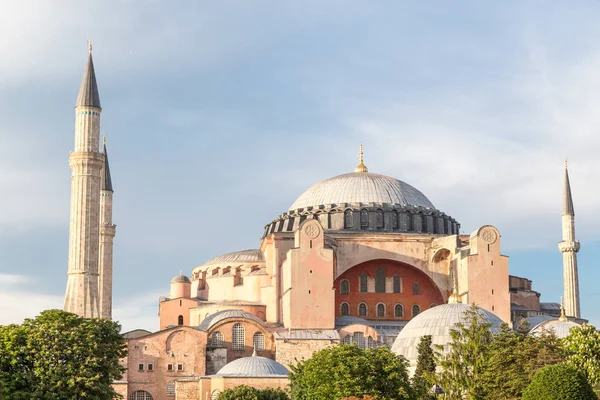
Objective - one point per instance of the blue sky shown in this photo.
(219, 115)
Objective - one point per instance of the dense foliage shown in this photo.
(559, 382)
(463, 360)
(59, 355)
(423, 378)
(582, 349)
(345, 370)
(249, 393)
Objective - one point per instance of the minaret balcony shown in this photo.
(568, 247)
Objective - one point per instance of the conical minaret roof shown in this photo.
(88, 92)
(567, 198)
(106, 183)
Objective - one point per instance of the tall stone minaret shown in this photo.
(86, 164)
(569, 248)
(107, 234)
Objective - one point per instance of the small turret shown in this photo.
(180, 287)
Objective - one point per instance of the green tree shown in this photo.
(463, 361)
(59, 355)
(345, 370)
(559, 382)
(249, 393)
(582, 349)
(423, 378)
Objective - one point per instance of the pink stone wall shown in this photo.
(170, 310)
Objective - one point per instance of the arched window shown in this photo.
(359, 339)
(370, 342)
(347, 339)
(397, 285)
(380, 280)
(215, 394)
(345, 309)
(379, 219)
(238, 337)
(398, 311)
(344, 286)
(362, 310)
(416, 310)
(140, 395)
(381, 310)
(416, 288)
(364, 219)
(394, 220)
(216, 340)
(349, 219)
(259, 341)
(363, 283)
(180, 320)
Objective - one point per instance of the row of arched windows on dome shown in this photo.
(381, 310)
(361, 341)
(380, 286)
(399, 221)
(238, 339)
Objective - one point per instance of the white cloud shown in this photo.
(19, 301)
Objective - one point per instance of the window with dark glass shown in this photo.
(397, 287)
(180, 320)
(363, 283)
(364, 219)
(416, 310)
(344, 286)
(380, 310)
(362, 310)
(380, 280)
(398, 311)
(349, 219)
(345, 309)
(416, 288)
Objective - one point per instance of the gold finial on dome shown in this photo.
(361, 167)
(562, 317)
(90, 45)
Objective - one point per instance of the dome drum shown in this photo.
(368, 217)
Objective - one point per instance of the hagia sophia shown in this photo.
(358, 258)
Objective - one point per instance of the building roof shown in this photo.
(534, 320)
(254, 367)
(217, 317)
(88, 92)
(238, 257)
(437, 322)
(308, 334)
(106, 183)
(361, 187)
(560, 328)
(180, 279)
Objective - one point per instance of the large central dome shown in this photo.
(362, 187)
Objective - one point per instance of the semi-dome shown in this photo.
(362, 187)
(437, 322)
(254, 367)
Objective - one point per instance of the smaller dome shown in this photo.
(437, 322)
(180, 279)
(238, 257)
(254, 367)
(560, 328)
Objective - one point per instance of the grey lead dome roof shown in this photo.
(244, 256)
(437, 322)
(362, 187)
(560, 328)
(254, 367)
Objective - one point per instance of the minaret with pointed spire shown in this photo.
(86, 163)
(107, 234)
(569, 248)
